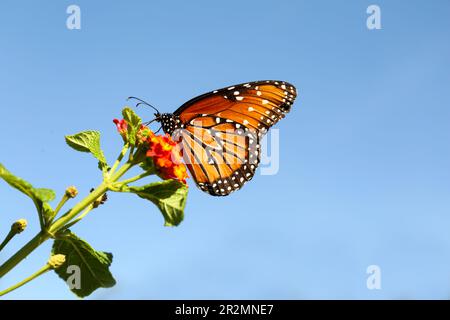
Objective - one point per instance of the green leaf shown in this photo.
(93, 265)
(45, 195)
(47, 213)
(88, 141)
(131, 117)
(168, 195)
(40, 196)
(134, 123)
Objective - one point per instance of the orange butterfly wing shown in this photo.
(222, 130)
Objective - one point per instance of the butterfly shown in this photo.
(219, 132)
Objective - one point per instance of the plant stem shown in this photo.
(62, 221)
(131, 156)
(43, 235)
(82, 215)
(8, 238)
(122, 171)
(60, 204)
(119, 159)
(23, 252)
(40, 215)
(101, 189)
(135, 178)
(41, 271)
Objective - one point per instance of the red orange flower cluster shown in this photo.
(166, 157)
(161, 148)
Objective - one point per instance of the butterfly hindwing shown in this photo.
(220, 157)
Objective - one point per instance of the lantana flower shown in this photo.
(122, 127)
(161, 148)
(166, 157)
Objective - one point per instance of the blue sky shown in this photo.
(364, 176)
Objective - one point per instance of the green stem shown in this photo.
(122, 171)
(81, 216)
(101, 189)
(23, 252)
(135, 178)
(64, 220)
(43, 235)
(131, 156)
(41, 216)
(41, 271)
(61, 203)
(8, 238)
(119, 159)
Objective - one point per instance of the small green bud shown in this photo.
(56, 261)
(71, 192)
(19, 226)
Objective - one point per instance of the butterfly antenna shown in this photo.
(150, 122)
(143, 102)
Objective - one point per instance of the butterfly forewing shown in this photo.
(220, 132)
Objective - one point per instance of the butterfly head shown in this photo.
(168, 121)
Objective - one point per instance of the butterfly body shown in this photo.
(170, 123)
(219, 132)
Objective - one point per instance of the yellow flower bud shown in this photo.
(56, 261)
(19, 225)
(71, 192)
